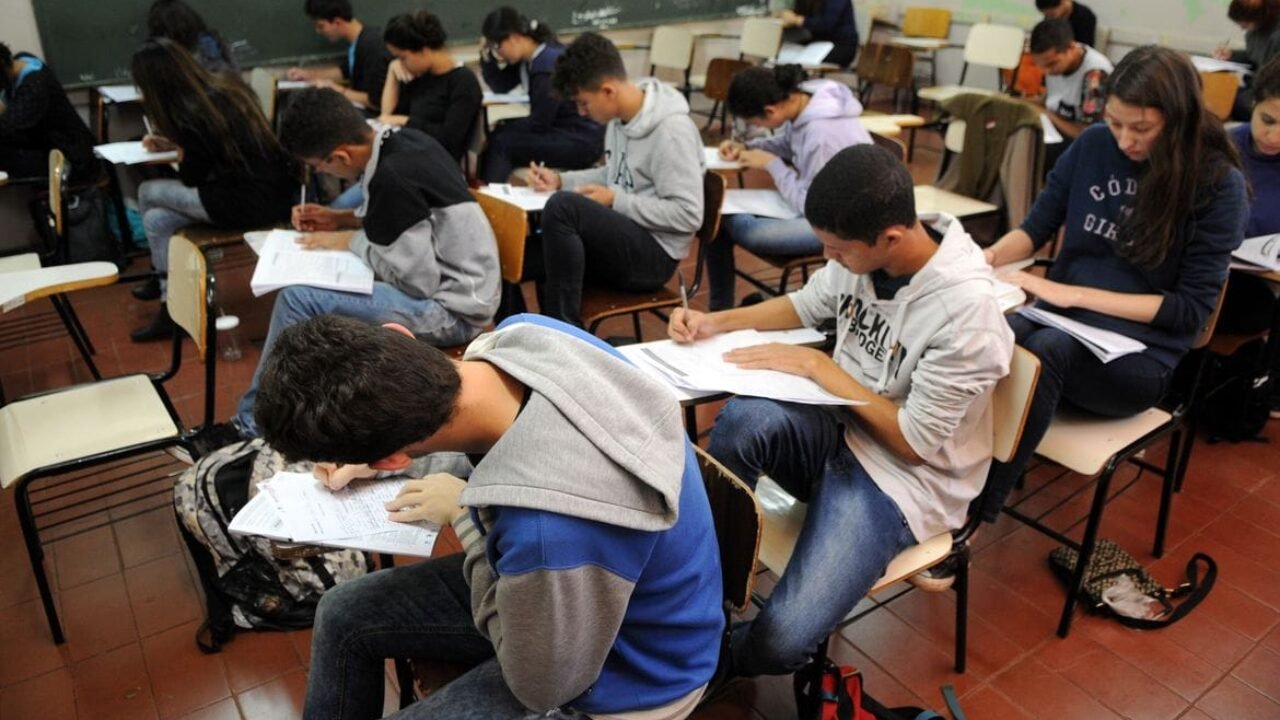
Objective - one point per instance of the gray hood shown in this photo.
(598, 439)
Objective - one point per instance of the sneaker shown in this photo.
(149, 290)
(1275, 406)
(938, 578)
(161, 328)
(216, 437)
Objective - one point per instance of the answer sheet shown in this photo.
(282, 262)
(132, 153)
(762, 203)
(526, 198)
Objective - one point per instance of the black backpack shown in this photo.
(1238, 403)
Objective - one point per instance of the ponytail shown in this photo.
(415, 32)
(507, 21)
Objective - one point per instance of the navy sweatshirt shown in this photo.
(546, 111)
(1091, 190)
(834, 23)
(1264, 176)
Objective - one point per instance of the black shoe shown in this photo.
(149, 290)
(216, 437)
(162, 328)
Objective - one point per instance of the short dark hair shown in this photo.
(859, 193)
(1047, 4)
(588, 61)
(317, 120)
(415, 31)
(1051, 35)
(1262, 13)
(337, 389)
(330, 10)
(1266, 84)
(507, 21)
(755, 87)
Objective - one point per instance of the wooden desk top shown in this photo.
(22, 286)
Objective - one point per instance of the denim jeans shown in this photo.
(850, 534)
(420, 611)
(167, 206)
(427, 319)
(1069, 371)
(759, 235)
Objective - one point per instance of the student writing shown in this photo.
(178, 21)
(365, 67)
(35, 117)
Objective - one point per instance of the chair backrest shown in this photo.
(1102, 38)
(58, 172)
(893, 145)
(997, 46)
(712, 201)
(1211, 322)
(761, 37)
(889, 65)
(926, 22)
(671, 47)
(511, 227)
(1012, 402)
(189, 292)
(264, 86)
(1220, 90)
(738, 520)
(720, 72)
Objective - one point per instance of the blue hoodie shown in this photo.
(1264, 175)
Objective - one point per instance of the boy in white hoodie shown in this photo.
(920, 342)
(629, 223)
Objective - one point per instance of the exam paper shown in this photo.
(1106, 345)
(1051, 134)
(282, 262)
(715, 162)
(526, 198)
(812, 54)
(509, 98)
(132, 153)
(1263, 251)
(762, 203)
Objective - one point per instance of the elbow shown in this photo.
(540, 695)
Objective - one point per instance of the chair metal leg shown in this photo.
(31, 535)
(635, 325)
(1171, 472)
(962, 609)
(62, 304)
(1086, 547)
(711, 117)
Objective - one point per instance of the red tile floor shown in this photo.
(130, 605)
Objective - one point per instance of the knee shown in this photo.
(561, 210)
(769, 648)
(147, 193)
(1054, 347)
(335, 611)
(742, 430)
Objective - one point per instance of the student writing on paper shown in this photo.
(35, 117)
(426, 88)
(921, 340)
(1084, 24)
(1260, 20)
(1152, 206)
(521, 52)
(629, 223)
(1075, 82)
(365, 67)
(179, 22)
(589, 585)
(431, 248)
(232, 172)
(830, 21)
(810, 120)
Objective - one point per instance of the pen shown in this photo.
(684, 293)
(302, 195)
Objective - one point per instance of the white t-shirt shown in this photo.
(1079, 96)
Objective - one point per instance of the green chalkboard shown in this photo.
(89, 42)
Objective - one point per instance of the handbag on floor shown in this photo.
(831, 692)
(1115, 583)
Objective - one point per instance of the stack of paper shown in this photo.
(133, 153)
(1104, 344)
(812, 54)
(287, 85)
(1210, 64)
(1263, 251)
(120, 93)
(763, 203)
(701, 367)
(715, 162)
(295, 507)
(525, 198)
(511, 98)
(283, 262)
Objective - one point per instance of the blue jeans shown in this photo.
(427, 319)
(420, 611)
(761, 235)
(349, 199)
(1068, 371)
(851, 533)
(167, 206)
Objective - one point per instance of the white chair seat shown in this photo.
(1083, 443)
(784, 516)
(942, 93)
(16, 263)
(697, 82)
(930, 199)
(79, 422)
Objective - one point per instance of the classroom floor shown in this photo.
(128, 601)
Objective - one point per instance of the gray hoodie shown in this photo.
(936, 349)
(654, 165)
(827, 125)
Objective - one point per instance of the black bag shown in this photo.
(1111, 564)
(86, 227)
(1236, 409)
(827, 691)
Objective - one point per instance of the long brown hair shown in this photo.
(1191, 154)
(189, 105)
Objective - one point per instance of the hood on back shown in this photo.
(598, 439)
(660, 102)
(828, 99)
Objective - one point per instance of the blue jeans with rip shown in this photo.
(761, 235)
(850, 534)
(420, 611)
(166, 207)
(430, 321)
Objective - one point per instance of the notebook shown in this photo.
(283, 262)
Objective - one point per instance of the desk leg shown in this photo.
(122, 217)
(691, 422)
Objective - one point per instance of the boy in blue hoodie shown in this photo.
(920, 344)
(590, 583)
(629, 223)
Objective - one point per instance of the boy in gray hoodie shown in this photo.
(813, 120)
(628, 224)
(920, 342)
(431, 248)
(590, 581)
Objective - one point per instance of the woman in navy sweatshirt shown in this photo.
(519, 52)
(1152, 205)
(832, 21)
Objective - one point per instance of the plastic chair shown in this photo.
(1220, 90)
(761, 38)
(263, 84)
(672, 48)
(926, 22)
(83, 426)
(784, 515)
(995, 46)
(720, 73)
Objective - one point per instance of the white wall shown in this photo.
(18, 26)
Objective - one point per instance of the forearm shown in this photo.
(1129, 306)
(390, 96)
(878, 416)
(357, 97)
(773, 314)
(1066, 127)
(331, 72)
(1014, 246)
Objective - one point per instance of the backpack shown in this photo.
(825, 691)
(1237, 408)
(86, 228)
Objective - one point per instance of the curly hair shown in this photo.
(588, 61)
(842, 202)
